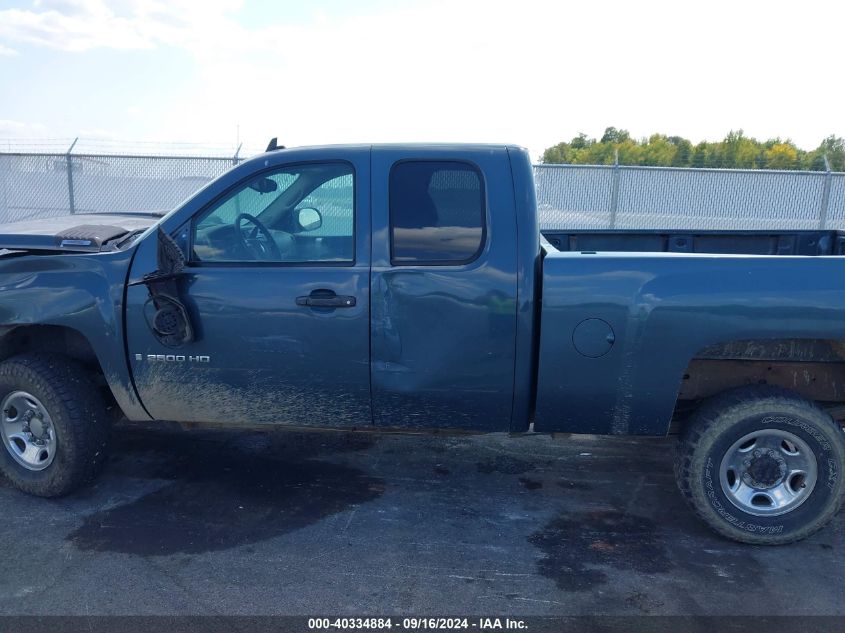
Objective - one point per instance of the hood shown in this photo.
(84, 233)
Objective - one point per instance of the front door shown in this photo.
(277, 288)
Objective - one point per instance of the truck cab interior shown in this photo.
(303, 213)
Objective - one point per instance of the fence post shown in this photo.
(828, 176)
(235, 159)
(6, 162)
(614, 189)
(68, 160)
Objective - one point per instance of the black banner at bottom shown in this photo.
(393, 624)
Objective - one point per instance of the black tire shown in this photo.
(78, 415)
(720, 423)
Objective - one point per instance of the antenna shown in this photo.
(273, 145)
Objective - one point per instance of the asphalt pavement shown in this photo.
(317, 523)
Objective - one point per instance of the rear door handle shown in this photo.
(326, 299)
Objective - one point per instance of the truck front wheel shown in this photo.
(761, 465)
(53, 424)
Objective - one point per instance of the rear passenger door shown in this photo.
(443, 284)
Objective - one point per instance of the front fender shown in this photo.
(82, 292)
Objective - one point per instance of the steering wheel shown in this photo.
(266, 249)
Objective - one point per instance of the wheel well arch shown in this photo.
(63, 340)
(52, 339)
(812, 368)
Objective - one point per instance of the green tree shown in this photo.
(580, 141)
(734, 151)
(612, 135)
(701, 156)
(659, 150)
(683, 152)
(834, 148)
(782, 156)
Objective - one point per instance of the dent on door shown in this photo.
(443, 322)
(442, 358)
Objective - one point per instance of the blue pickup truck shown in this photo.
(409, 287)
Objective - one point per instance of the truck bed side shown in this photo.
(620, 329)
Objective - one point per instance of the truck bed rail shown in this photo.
(727, 242)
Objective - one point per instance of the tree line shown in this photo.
(735, 151)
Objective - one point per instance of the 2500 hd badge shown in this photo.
(172, 358)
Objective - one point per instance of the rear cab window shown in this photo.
(437, 212)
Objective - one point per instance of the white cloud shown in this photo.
(80, 25)
(97, 134)
(534, 72)
(5, 51)
(20, 129)
(90, 26)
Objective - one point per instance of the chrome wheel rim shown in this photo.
(27, 430)
(768, 472)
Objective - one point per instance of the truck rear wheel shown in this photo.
(53, 424)
(761, 465)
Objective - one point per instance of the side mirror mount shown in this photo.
(308, 219)
(170, 260)
(170, 321)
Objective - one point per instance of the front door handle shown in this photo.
(326, 299)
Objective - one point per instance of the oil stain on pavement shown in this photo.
(505, 464)
(530, 484)
(574, 546)
(226, 496)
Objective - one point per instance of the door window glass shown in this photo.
(298, 214)
(437, 213)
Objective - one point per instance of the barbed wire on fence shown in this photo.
(118, 147)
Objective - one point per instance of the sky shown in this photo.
(529, 72)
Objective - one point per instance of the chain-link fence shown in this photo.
(615, 197)
(43, 185)
(569, 196)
